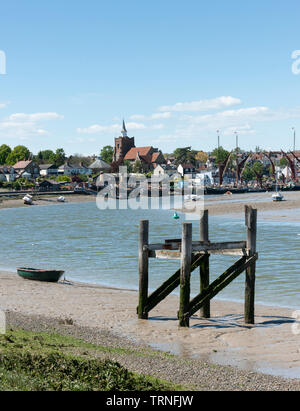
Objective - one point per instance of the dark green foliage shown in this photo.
(107, 154)
(221, 154)
(47, 362)
(58, 372)
(185, 155)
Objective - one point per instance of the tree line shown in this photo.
(10, 156)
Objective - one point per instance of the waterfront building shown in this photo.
(7, 174)
(69, 169)
(48, 170)
(184, 169)
(99, 165)
(27, 169)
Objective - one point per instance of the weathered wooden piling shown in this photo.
(251, 224)
(143, 269)
(194, 254)
(204, 266)
(185, 274)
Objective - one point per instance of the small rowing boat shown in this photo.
(28, 200)
(50, 276)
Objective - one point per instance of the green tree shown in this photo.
(107, 154)
(283, 162)
(248, 173)
(258, 169)
(221, 154)
(137, 168)
(128, 165)
(63, 179)
(185, 155)
(4, 152)
(44, 157)
(17, 154)
(58, 158)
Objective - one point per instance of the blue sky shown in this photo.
(177, 71)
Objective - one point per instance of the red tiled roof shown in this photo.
(155, 157)
(187, 166)
(132, 153)
(22, 164)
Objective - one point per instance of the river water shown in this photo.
(101, 246)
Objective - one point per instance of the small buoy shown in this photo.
(176, 216)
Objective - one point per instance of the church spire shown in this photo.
(124, 131)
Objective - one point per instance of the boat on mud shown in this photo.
(50, 276)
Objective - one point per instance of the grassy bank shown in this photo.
(39, 361)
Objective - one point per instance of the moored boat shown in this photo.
(277, 197)
(28, 199)
(51, 276)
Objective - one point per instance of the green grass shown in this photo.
(49, 362)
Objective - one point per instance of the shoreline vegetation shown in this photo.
(217, 354)
(88, 359)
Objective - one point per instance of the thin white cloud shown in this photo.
(244, 121)
(241, 130)
(202, 105)
(96, 128)
(138, 117)
(225, 117)
(4, 104)
(36, 117)
(163, 115)
(24, 126)
(155, 116)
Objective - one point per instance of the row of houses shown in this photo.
(30, 170)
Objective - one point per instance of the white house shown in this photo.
(74, 169)
(48, 170)
(164, 169)
(7, 174)
(184, 169)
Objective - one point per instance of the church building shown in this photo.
(125, 150)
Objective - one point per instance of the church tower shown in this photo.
(122, 145)
(124, 131)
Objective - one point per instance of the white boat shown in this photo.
(28, 199)
(277, 196)
(61, 199)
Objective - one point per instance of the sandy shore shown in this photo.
(270, 346)
(44, 200)
(233, 205)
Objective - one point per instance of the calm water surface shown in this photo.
(101, 247)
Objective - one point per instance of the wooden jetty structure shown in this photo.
(193, 255)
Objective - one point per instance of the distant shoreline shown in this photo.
(223, 205)
(226, 205)
(49, 199)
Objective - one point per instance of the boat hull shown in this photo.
(50, 276)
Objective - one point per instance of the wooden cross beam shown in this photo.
(169, 286)
(219, 284)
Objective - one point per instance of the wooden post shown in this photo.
(143, 269)
(204, 266)
(185, 274)
(251, 223)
